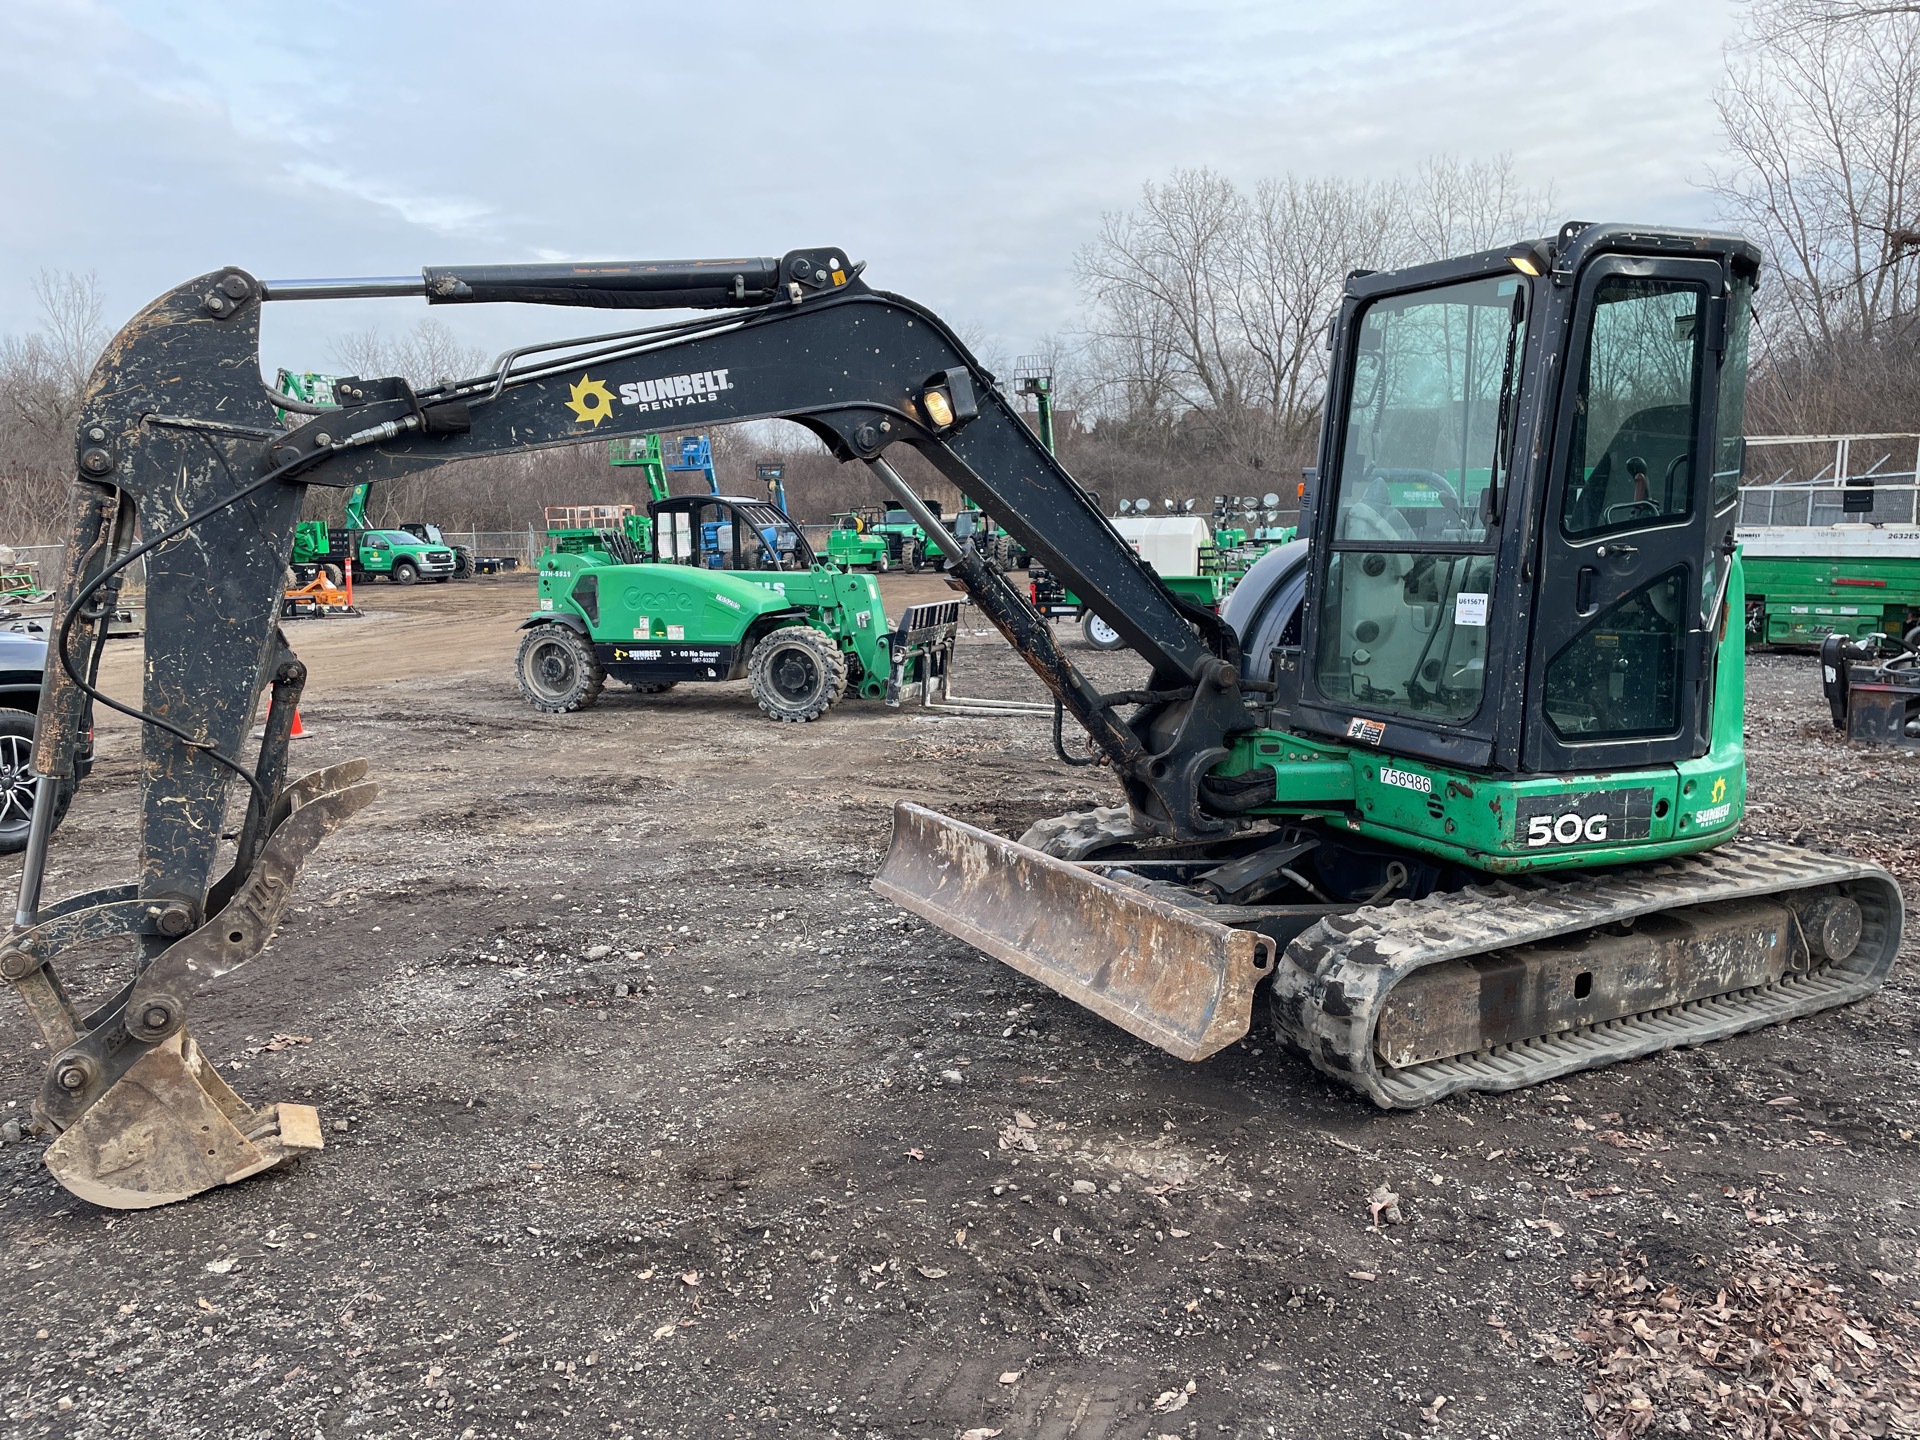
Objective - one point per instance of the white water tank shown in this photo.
(1170, 543)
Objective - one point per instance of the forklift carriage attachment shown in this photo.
(1165, 974)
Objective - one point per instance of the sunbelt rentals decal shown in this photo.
(591, 401)
(1717, 813)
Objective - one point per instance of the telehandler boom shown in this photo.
(1460, 773)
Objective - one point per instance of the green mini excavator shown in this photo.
(1456, 778)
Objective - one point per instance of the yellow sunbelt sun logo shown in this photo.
(1719, 789)
(592, 402)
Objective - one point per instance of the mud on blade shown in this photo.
(1157, 970)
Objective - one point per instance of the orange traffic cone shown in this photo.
(299, 731)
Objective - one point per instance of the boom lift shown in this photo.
(1461, 782)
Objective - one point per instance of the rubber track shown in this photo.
(1333, 980)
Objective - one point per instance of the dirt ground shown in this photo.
(646, 1117)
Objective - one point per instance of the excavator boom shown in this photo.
(184, 460)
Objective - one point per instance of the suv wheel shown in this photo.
(17, 783)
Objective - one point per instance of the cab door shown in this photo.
(1634, 536)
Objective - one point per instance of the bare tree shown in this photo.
(1821, 110)
(43, 379)
(1209, 307)
(425, 355)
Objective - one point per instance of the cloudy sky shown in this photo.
(964, 150)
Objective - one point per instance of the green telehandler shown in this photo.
(709, 588)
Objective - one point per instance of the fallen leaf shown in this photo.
(665, 1330)
(916, 1154)
(690, 1277)
(1023, 1120)
(1783, 1100)
(1168, 1401)
(981, 1434)
(222, 1266)
(930, 1272)
(1180, 1234)
(1010, 1377)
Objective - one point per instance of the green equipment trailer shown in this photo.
(1838, 554)
(710, 588)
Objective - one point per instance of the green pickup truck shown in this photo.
(404, 559)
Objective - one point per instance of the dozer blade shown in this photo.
(1165, 974)
(144, 1119)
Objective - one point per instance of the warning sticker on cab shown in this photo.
(1470, 608)
(1367, 732)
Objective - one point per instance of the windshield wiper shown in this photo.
(1502, 438)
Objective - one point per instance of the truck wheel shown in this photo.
(557, 670)
(462, 563)
(18, 788)
(405, 572)
(796, 674)
(1099, 634)
(880, 563)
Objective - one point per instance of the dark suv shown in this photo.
(23, 660)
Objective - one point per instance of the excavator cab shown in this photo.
(1527, 513)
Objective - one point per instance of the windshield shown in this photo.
(393, 537)
(1431, 383)
(1424, 463)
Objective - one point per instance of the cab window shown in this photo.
(1636, 417)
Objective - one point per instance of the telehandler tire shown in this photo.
(912, 559)
(462, 563)
(336, 577)
(557, 670)
(405, 572)
(797, 673)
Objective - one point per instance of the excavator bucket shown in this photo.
(1160, 972)
(170, 1128)
(142, 1117)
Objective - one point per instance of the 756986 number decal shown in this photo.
(1587, 817)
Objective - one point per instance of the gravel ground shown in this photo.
(647, 1118)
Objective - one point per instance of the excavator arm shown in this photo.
(183, 460)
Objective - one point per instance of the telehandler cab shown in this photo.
(1458, 777)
